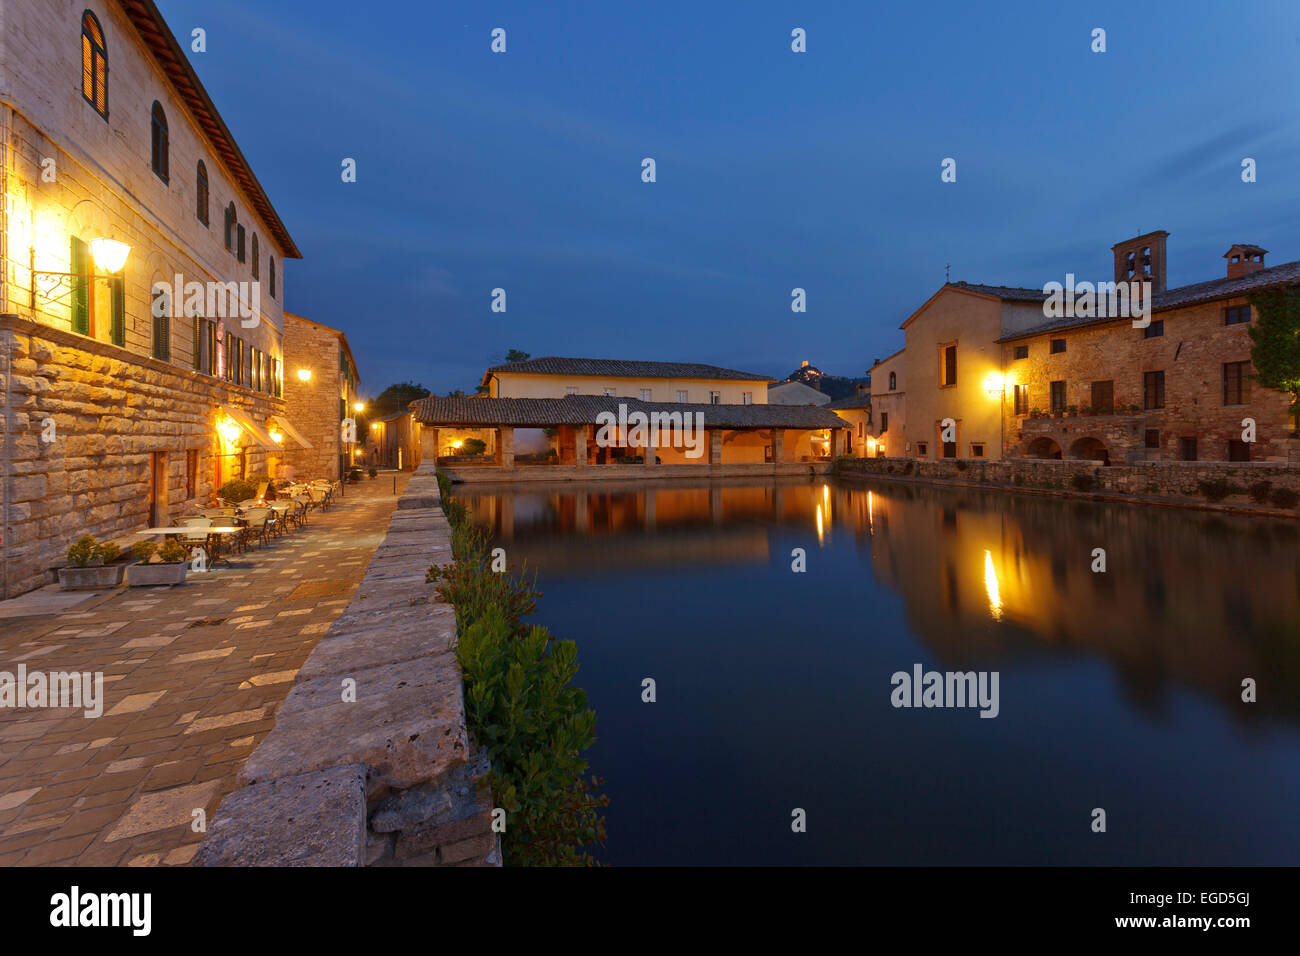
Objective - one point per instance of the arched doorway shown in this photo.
(1090, 449)
(1044, 447)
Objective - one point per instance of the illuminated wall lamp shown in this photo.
(108, 254)
(304, 375)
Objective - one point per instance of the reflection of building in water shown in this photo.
(1196, 599)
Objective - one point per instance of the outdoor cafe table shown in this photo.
(195, 531)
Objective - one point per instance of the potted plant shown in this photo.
(1087, 410)
(91, 567)
(1072, 410)
(170, 567)
(373, 472)
(354, 475)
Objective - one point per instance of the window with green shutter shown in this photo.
(198, 344)
(117, 327)
(80, 287)
(162, 331)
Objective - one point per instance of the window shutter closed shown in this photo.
(80, 287)
(117, 287)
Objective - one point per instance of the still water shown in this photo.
(1118, 690)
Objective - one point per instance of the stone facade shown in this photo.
(1192, 352)
(115, 421)
(112, 407)
(318, 404)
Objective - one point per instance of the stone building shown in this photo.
(321, 392)
(1008, 379)
(131, 389)
(394, 442)
(1177, 389)
(888, 418)
(856, 410)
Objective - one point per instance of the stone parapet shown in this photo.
(370, 762)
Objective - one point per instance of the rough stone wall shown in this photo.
(110, 410)
(1191, 352)
(313, 405)
(384, 775)
(1163, 479)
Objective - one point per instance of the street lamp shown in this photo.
(108, 254)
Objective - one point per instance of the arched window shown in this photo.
(230, 226)
(257, 267)
(158, 142)
(893, 381)
(94, 64)
(201, 209)
(271, 260)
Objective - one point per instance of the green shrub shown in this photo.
(83, 552)
(1215, 489)
(144, 550)
(172, 552)
(520, 705)
(473, 446)
(109, 552)
(1259, 491)
(237, 489)
(1284, 497)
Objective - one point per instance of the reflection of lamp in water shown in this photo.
(821, 527)
(991, 586)
(871, 514)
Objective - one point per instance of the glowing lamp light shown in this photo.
(109, 254)
(277, 437)
(995, 383)
(456, 444)
(358, 406)
(229, 430)
(304, 375)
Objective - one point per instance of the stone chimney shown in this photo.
(1142, 259)
(1243, 259)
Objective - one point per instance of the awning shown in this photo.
(257, 431)
(289, 430)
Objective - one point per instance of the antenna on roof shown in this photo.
(946, 267)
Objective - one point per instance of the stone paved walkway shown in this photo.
(193, 676)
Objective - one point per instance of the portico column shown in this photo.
(506, 447)
(715, 446)
(778, 445)
(429, 444)
(649, 450)
(580, 445)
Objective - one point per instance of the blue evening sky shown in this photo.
(775, 169)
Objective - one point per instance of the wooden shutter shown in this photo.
(80, 287)
(117, 330)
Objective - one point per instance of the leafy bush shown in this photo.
(473, 446)
(1217, 489)
(520, 704)
(373, 472)
(237, 489)
(1259, 491)
(109, 552)
(83, 552)
(1284, 497)
(1082, 482)
(144, 550)
(172, 552)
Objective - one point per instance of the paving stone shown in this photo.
(311, 819)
